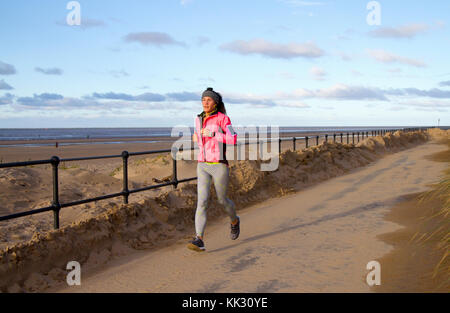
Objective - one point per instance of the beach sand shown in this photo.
(110, 232)
(418, 262)
(317, 240)
(28, 188)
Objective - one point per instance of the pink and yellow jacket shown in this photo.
(213, 149)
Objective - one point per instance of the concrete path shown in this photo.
(317, 240)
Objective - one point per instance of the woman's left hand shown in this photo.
(207, 133)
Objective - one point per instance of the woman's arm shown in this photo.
(229, 136)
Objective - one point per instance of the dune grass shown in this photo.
(440, 217)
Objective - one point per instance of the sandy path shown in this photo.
(317, 240)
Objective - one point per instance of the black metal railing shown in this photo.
(56, 206)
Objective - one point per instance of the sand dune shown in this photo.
(34, 256)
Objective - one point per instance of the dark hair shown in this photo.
(220, 105)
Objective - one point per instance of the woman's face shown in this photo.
(208, 104)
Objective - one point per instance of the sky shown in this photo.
(145, 63)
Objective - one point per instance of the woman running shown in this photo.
(213, 131)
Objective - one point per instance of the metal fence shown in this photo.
(56, 206)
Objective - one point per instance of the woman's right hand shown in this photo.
(194, 137)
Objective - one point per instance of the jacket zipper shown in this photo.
(203, 142)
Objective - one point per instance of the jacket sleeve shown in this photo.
(228, 136)
(195, 136)
(196, 128)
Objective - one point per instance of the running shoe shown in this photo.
(235, 230)
(196, 244)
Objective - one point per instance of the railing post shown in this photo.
(358, 136)
(326, 137)
(341, 138)
(55, 203)
(317, 140)
(125, 156)
(347, 138)
(174, 168)
(293, 142)
(306, 141)
(260, 145)
(353, 138)
(334, 138)
(279, 146)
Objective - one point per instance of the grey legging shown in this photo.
(220, 174)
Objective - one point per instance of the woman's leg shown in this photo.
(220, 174)
(203, 187)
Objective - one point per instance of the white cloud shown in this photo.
(345, 57)
(201, 40)
(152, 38)
(335, 92)
(295, 104)
(6, 99)
(387, 57)
(426, 105)
(118, 74)
(273, 50)
(317, 73)
(438, 99)
(406, 31)
(49, 71)
(4, 85)
(345, 92)
(7, 69)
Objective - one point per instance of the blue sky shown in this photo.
(276, 62)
